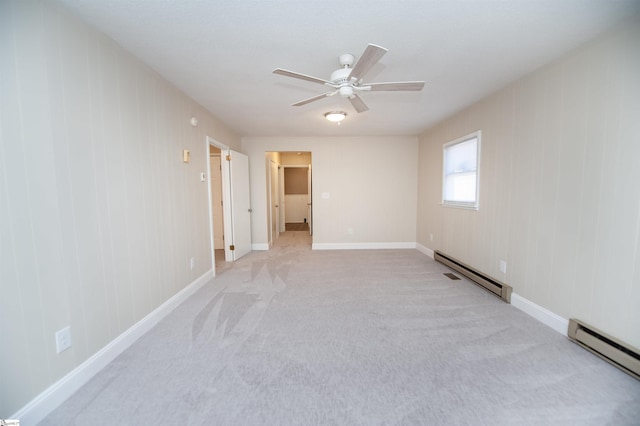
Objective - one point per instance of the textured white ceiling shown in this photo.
(222, 53)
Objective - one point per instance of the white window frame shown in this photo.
(462, 204)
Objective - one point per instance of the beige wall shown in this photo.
(371, 181)
(295, 208)
(296, 180)
(98, 215)
(559, 186)
(293, 159)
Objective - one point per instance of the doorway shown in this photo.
(215, 177)
(297, 195)
(289, 193)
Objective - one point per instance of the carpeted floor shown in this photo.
(299, 337)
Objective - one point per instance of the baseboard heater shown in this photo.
(496, 287)
(612, 350)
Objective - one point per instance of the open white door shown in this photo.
(238, 205)
(274, 202)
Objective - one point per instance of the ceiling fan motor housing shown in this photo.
(340, 76)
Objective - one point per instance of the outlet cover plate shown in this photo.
(63, 339)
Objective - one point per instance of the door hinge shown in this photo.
(229, 157)
(232, 247)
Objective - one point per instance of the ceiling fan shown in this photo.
(347, 81)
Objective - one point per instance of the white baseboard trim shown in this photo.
(543, 315)
(361, 246)
(424, 250)
(39, 407)
(260, 247)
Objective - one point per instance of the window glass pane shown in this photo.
(460, 177)
(460, 188)
(461, 157)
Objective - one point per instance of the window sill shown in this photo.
(461, 206)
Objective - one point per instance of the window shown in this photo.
(460, 172)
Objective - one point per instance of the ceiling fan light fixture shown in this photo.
(335, 116)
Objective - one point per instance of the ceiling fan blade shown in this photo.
(315, 98)
(369, 58)
(294, 74)
(358, 104)
(397, 86)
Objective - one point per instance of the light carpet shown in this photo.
(370, 337)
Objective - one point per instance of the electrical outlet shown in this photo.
(430, 237)
(192, 263)
(503, 266)
(63, 339)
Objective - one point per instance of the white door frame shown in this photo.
(225, 203)
(310, 199)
